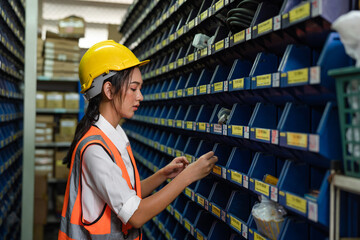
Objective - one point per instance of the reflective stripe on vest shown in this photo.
(108, 225)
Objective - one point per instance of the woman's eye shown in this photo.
(133, 89)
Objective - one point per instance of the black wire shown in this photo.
(240, 18)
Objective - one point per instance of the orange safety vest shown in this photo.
(108, 225)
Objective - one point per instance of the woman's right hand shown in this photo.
(202, 167)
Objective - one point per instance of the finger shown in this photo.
(213, 159)
(208, 155)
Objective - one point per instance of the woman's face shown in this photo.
(132, 97)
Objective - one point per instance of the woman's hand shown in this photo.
(176, 166)
(202, 167)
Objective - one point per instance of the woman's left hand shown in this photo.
(175, 167)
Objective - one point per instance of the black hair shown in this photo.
(120, 81)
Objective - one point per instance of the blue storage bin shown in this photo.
(219, 230)
(238, 165)
(180, 145)
(170, 144)
(169, 226)
(190, 148)
(163, 115)
(190, 117)
(191, 211)
(203, 85)
(203, 224)
(223, 152)
(179, 232)
(238, 120)
(219, 84)
(170, 118)
(179, 117)
(239, 81)
(190, 86)
(204, 147)
(172, 88)
(180, 87)
(203, 118)
(189, 191)
(179, 206)
(218, 199)
(202, 191)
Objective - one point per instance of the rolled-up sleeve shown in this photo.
(103, 181)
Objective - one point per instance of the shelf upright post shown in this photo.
(27, 210)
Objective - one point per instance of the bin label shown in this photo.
(217, 170)
(204, 15)
(191, 24)
(170, 122)
(199, 236)
(162, 121)
(188, 192)
(298, 76)
(203, 89)
(297, 139)
(235, 223)
(262, 187)
(217, 128)
(215, 210)
(180, 31)
(169, 150)
(187, 225)
(179, 93)
(218, 86)
(219, 5)
(177, 215)
(240, 36)
(236, 177)
(300, 12)
(237, 130)
(167, 235)
(203, 52)
(262, 134)
(171, 94)
(201, 201)
(265, 26)
(219, 45)
(178, 153)
(190, 91)
(168, 208)
(171, 66)
(263, 80)
(258, 237)
(180, 61)
(202, 126)
(238, 83)
(188, 157)
(189, 125)
(178, 123)
(296, 202)
(190, 57)
(313, 211)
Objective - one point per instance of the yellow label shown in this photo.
(164, 42)
(178, 153)
(203, 15)
(156, 120)
(217, 170)
(263, 80)
(167, 234)
(298, 76)
(181, 2)
(235, 223)
(216, 210)
(179, 93)
(188, 157)
(282, 134)
(219, 45)
(282, 193)
(201, 201)
(169, 150)
(177, 215)
(265, 26)
(170, 122)
(203, 52)
(163, 68)
(218, 86)
(171, 94)
(297, 139)
(240, 36)
(172, 9)
(180, 31)
(283, 75)
(188, 192)
(237, 177)
(258, 237)
(237, 130)
(296, 202)
(202, 126)
(262, 187)
(178, 123)
(171, 65)
(162, 148)
(219, 5)
(168, 208)
(163, 95)
(199, 236)
(180, 61)
(190, 57)
(300, 12)
(238, 83)
(187, 225)
(162, 121)
(263, 134)
(190, 91)
(191, 24)
(203, 89)
(189, 125)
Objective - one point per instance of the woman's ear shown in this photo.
(107, 89)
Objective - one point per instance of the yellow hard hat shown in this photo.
(104, 57)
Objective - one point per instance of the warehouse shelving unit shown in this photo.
(283, 121)
(12, 22)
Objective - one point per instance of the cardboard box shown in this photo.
(71, 100)
(60, 66)
(68, 126)
(61, 170)
(72, 26)
(63, 138)
(38, 233)
(45, 119)
(113, 30)
(62, 55)
(41, 210)
(40, 184)
(61, 74)
(59, 203)
(54, 100)
(40, 99)
(62, 44)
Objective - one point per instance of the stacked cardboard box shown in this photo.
(40, 57)
(67, 100)
(62, 57)
(61, 170)
(67, 130)
(44, 130)
(72, 27)
(44, 159)
(40, 204)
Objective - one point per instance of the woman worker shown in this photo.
(105, 198)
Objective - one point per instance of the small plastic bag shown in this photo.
(269, 217)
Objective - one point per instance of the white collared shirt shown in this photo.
(102, 180)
